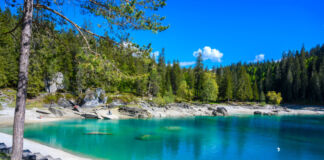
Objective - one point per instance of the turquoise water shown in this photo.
(205, 138)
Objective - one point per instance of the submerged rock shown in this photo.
(98, 133)
(147, 137)
(172, 128)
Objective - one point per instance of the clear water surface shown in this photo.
(193, 138)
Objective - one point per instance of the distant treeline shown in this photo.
(129, 68)
(298, 75)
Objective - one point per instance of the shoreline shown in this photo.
(171, 110)
(36, 147)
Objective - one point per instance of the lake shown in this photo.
(192, 138)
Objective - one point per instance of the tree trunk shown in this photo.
(18, 128)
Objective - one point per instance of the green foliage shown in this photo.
(159, 101)
(4, 156)
(127, 68)
(256, 96)
(127, 98)
(209, 88)
(262, 97)
(52, 98)
(34, 104)
(274, 98)
(244, 89)
(166, 99)
(199, 76)
(226, 86)
(184, 92)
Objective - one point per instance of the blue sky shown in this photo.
(229, 31)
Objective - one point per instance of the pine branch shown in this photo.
(80, 29)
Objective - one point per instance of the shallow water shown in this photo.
(205, 138)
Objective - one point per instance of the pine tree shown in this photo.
(176, 76)
(199, 79)
(162, 72)
(153, 79)
(262, 97)
(288, 84)
(256, 96)
(244, 89)
(226, 87)
(303, 74)
(268, 80)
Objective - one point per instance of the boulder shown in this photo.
(135, 112)
(220, 111)
(89, 116)
(65, 103)
(77, 108)
(28, 155)
(57, 112)
(43, 111)
(2, 147)
(56, 83)
(94, 98)
(257, 113)
(7, 150)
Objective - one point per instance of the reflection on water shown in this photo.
(250, 137)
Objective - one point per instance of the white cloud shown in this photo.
(209, 53)
(182, 64)
(259, 58)
(156, 54)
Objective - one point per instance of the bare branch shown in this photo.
(80, 29)
(61, 15)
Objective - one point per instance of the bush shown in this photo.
(162, 101)
(274, 98)
(52, 98)
(69, 96)
(127, 98)
(159, 101)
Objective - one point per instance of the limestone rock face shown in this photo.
(55, 83)
(94, 98)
